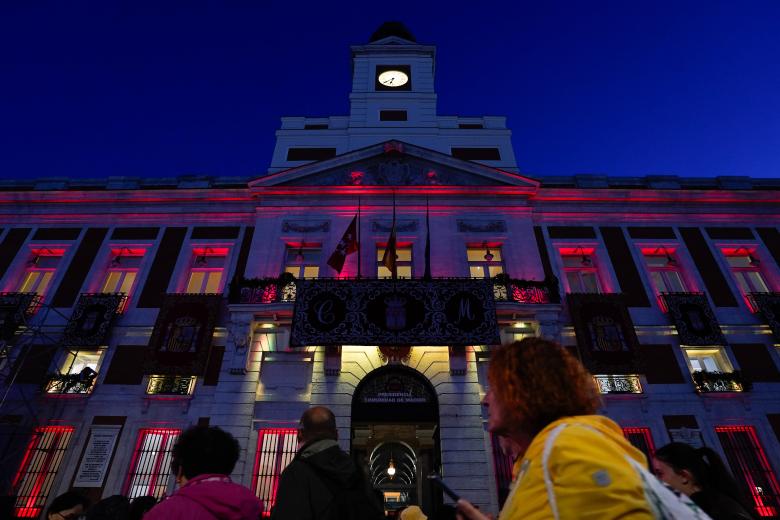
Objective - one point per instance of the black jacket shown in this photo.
(302, 493)
(720, 507)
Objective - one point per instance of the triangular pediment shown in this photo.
(395, 163)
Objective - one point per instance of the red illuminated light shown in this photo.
(210, 251)
(275, 449)
(576, 251)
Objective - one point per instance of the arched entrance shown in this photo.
(395, 436)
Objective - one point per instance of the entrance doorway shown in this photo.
(395, 436)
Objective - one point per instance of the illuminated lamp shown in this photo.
(34, 260)
(752, 260)
(488, 255)
(670, 261)
(200, 260)
(391, 468)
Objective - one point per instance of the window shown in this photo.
(39, 467)
(77, 373)
(208, 265)
(709, 359)
(122, 271)
(746, 269)
(485, 261)
(580, 270)
(276, 447)
(403, 262)
(303, 261)
(750, 467)
(476, 154)
(392, 115)
(641, 440)
(711, 370)
(310, 154)
(664, 271)
(40, 270)
(518, 331)
(151, 465)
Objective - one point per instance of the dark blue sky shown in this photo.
(94, 89)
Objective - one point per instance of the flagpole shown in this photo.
(395, 244)
(359, 243)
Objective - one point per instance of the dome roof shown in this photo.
(392, 29)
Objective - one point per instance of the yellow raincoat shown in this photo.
(586, 476)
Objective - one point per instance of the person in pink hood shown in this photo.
(203, 457)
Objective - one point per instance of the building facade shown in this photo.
(134, 308)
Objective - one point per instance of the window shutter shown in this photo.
(755, 362)
(127, 366)
(211, 377)
(660, 365)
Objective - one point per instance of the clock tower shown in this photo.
(392, 80)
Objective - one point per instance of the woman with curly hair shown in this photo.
(576, 464)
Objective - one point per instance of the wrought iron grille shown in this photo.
(275, 449)
(151, 466)
(618, 384)
(751, 468)
(170, 385)
(641, 439)
(80, 383)
(503, 467)
(705, 381)
(36, 474)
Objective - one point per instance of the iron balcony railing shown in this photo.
(618, 384)
(170, 385)
(283, 289)
(80, 383)
(706, 382)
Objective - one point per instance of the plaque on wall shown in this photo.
(394, 312)
(695, 322)
(606, 338)
(97, 456)
(769, 306)
(690, 436)
(91, 321)
(181, 339)
(13, 307)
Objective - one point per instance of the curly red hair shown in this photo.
(537, 382)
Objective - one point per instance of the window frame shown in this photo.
(198, 250)
(266, 473)
(738, 273)
(161, 463)
(38, 251)
(571, 251)
(483, 264)
(301, 267)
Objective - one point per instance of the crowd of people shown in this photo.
(570, 462)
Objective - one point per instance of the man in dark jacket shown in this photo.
(322, 481)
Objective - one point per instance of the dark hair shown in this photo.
(67, 501)
(706, 467)
(538, 382)
(141, 505)
(318, 422)
(205, 449)
(115, 507)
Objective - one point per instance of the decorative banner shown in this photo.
(605, 333)
(13, 307)
(695, 322)
(91, 321)
(394, 312)
(769, 307)
(181, 339)
(97, 455)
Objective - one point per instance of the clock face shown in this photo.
(393, 78)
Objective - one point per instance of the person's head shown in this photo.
(204, 449)
(534, 382)
(67, 506)
(140, 506)
(412, 513)
(317, 423)
(688, 470)
(115, 507)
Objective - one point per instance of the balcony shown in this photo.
(255, 291)
(707, 382)
(170, 385)
(618, 384)
(80, 383)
